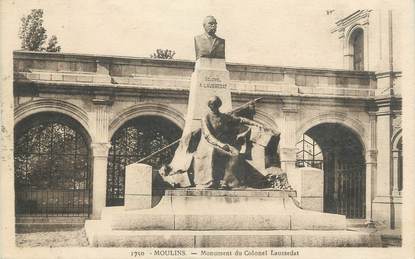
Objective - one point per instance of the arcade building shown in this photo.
(80, 119)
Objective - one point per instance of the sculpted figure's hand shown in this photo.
(264, 129)
(226, 148)
(231, 150)
(260, 127)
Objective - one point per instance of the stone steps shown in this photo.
(215, 218)
(29, 224)
(47, 227)
(57, 220)
(102, 236)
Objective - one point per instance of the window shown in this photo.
(357, 47)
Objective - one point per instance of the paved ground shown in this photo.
(77, 238)
(74, 238)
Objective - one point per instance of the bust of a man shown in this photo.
(209, 45)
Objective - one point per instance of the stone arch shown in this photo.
(397, 136)
(53, 158)
(53, 105)
(154, 109)
(354, 125)
(342, 161)
(352, 29)
(265, 119)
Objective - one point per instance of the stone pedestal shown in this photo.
(312, 188)
(309, 184)
(209, 79)
(220, 218)
(102, 74)
(138, 186)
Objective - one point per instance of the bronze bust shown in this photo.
(209, 45)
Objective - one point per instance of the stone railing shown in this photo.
(62, 68)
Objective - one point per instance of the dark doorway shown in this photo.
(137, 139)
(344, 169)
(52, 167)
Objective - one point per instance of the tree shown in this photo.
(53, 44)
(33, 34)
(163, 54)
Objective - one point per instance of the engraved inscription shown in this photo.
(213, 82)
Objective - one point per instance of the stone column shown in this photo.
(383, 199)
(288, 140)
(99, 185)
(100, 148)
(371, 163)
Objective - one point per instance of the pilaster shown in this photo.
(101, 107)
(99, 189)
(385, 74)
(371, 166)
(382, 203)
(383, 139)
(288, 142)
(100, 149)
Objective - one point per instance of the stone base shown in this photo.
(98, 236)
(387, 211)
(216, 218)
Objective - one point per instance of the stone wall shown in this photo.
(175, 74)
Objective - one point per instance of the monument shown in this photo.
(217, 146)
(223, 187)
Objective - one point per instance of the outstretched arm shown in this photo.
(250, 122)
(256, 124)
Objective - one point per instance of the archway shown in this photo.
(342, 157)
(52, 166)
(134, 140)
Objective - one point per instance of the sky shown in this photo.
(280, 33)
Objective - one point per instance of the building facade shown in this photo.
(80, 119)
